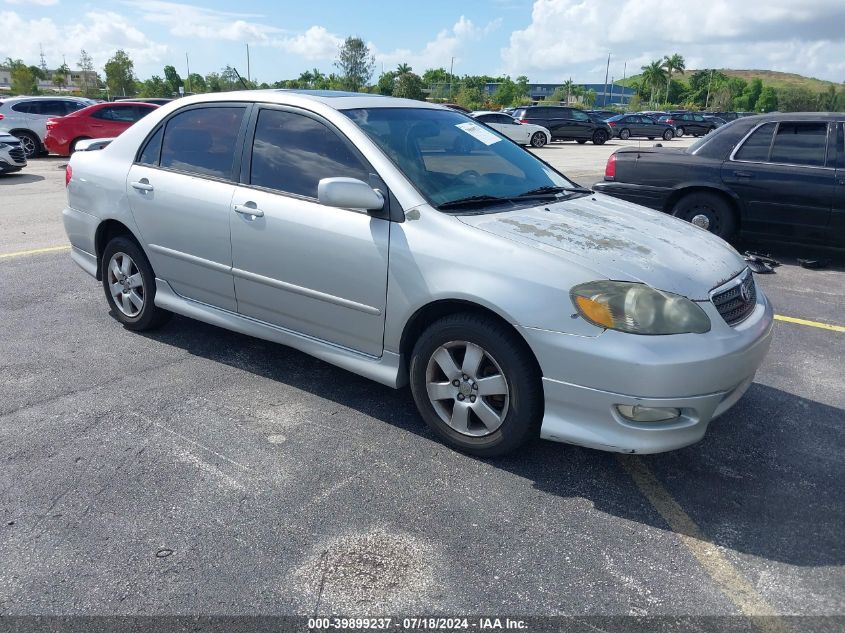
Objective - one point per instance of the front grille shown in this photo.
(17, 155)
(738, 300)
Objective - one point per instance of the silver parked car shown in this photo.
(12, 157)
(26, 118)
(348, 226)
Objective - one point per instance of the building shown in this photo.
(616, 94)
(74, 81)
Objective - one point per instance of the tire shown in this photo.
(625, 134)
(147, 315)
(599, 137)
(679, 132)
(707, 210)
(72, 146)
(31, 144)
(651, 138)
(538, 139)
(515, 402)
(581, 141)
(668, 135)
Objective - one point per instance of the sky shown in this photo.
(547, 40)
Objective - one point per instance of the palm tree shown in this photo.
(403, 68)
(653, 76)
(306, 79)
(671, 64)
(568, 88)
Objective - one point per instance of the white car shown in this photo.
(522, 133)
(12, 157)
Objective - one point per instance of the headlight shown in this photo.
(4, 145)
(638, 309)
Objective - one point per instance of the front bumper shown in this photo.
(703, 375)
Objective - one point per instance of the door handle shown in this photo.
(142, 185)
(248, 209)
(743, 174)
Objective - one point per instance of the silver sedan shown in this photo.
(409, 244)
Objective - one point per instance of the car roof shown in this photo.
(45, 98)
(335, 99)
(478, 112)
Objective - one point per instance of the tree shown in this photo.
(589, 98)
(409, 86)
(87, 76)
(386, 83)
(506, 93)
(671, 64)
(768, 101)
(120, 74)
(470, 97)
(61, 75)
(654, 76)
(213, 84)
(172, 78)
(355, 62)
(796, 99)
(38, 73)
(196, 83)
(403, 68)
(23, 79)
(827, 100)
(155, 86)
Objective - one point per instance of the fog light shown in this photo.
(638, 413)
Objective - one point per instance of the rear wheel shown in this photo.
(708, 211)
(538, 139)
(476, 385)
(625, 134)
(599, 137)
(30, 143)
(668, 135)
(129, 284)
(679, 132)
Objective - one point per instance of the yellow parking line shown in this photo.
(728, 578)
(34, 251)
(824, 326)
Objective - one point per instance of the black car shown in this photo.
(625, 126)
(688, 123)
(602, 114)
(566, 124)
(781, 176)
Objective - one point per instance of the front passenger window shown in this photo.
(292, 153)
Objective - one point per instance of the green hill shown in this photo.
(772, 78)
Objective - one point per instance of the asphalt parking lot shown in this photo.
(193, 470)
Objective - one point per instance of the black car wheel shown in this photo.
(30, 143)
(625, 134)
(476, 385)
(679, 132)
(651, 138)
(668, 135)
(707, 211)
(599, 137)
(538, 139)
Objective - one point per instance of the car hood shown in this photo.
(621, 241)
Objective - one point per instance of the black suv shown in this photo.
(689, 123)
(565, 124)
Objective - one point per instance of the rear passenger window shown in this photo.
(149, 156)
(292, 153)
(756, 148)
(202, 141)
(800, 143)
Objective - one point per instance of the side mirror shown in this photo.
(349, 193)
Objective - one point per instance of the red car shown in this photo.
(101, 120)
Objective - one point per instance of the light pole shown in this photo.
(606, 73)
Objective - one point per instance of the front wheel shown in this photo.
(30, 144)
(599, 137)
(668, 135)
(625, 135)
(129, 284)
(538, 139)
(707, 211)
(476, 385)
(581, 141)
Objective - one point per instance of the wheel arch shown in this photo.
(23, 130)
(107, 230)
(728, 196)
(434, 310)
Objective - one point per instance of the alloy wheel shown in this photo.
(28, 145)
(467, 388)
(126, 284)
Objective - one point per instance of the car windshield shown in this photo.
(450, 158)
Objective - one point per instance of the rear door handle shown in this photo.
(743, 174)
(249, 209)
(142, 185)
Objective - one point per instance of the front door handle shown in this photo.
(743, 174)
(142, 185)
(249, 209)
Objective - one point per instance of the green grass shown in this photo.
(772, 78)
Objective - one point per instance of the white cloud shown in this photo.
(40, 3)
(438, 53)
(573, 37)
(99, 33)
(317, 43)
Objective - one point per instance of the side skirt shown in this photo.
(384, 369)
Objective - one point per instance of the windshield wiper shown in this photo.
(552, 189)
(470, 200)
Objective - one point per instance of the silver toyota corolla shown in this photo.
(407, 243)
